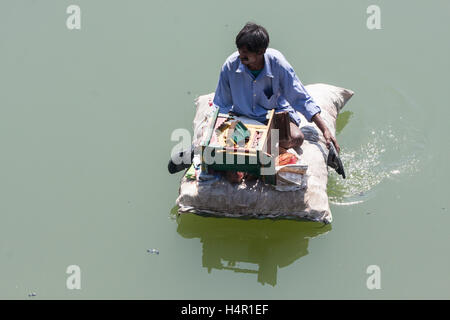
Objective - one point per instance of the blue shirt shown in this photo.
(276, 87)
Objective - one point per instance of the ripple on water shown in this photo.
(387, 154)
(390, 143)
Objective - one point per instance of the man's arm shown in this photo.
(326, 132)
(297, 96)
(222, 96)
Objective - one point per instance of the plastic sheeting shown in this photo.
(255, 199)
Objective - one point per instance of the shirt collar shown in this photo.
(267, 70)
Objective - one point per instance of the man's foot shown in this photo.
(180, 161)
(282, 150)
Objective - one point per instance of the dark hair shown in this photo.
(253, 36)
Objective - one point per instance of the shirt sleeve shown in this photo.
(296, 94)
(222, 96)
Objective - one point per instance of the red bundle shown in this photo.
(286, 158)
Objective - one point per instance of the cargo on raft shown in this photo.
(233, 143)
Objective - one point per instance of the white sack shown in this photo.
(259, 200)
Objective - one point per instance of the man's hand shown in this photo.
(326, 133)
(329, 138)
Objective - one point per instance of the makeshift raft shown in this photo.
(257, 199)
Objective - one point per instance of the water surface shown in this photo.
(85, 125)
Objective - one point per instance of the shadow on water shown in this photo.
(249, 246)
(342, 120)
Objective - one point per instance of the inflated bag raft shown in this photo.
(306, 199)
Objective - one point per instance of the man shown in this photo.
(256, 79)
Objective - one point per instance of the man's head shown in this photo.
(252, 42)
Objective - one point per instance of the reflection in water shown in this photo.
(343, 120)
(250, 246)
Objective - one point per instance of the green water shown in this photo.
(85, 123)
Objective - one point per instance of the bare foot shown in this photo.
(282, 150)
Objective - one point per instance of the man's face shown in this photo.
(247, 57)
